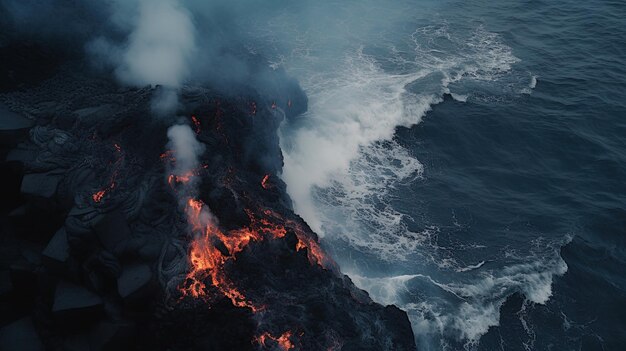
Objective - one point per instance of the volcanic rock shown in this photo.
(6, 286)
(20, 335)
(112, 229)
(75, 305)
(57, 252)
(134, 281)
(129, 269)
(13, 127)
(41, 184)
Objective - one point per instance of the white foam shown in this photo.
(343, 161)
(471, 267)
(531, 85)
(350, 109)
(342, 165)
(533, 82)
(476, 306)
(459, 97)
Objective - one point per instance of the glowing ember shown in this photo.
(167, 155)
(172, 179)
(196, 123)
(314, 252)
(283, 342)
(184, 178)
(210, 248)
(97, 196)
(207, 261)
(265, 182)
(116, 166)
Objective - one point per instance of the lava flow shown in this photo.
(196, 123)
(207, 259)
(314, 252)
(283, 341)
(265, 182)
(99, 195)
(211, 249)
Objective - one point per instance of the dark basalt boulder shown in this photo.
(96, 245)
(20, 335)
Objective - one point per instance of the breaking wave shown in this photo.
(459, 311)
(343, 169)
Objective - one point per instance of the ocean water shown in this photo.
(465, 160)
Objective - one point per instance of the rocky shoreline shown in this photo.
(98, 253)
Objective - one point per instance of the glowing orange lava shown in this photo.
(211, 249)
(283, 342)
(196, 123)
(117, 165)
(97, 196)
(207, 260)
(172, 179)
(314, 252)
(167, 155)
(265, 182)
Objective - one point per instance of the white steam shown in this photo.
(160, 45)
(186, 151)
(157, 51)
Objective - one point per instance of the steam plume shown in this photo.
(185, 151)
(158, 49)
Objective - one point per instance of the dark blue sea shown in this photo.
(466, 161)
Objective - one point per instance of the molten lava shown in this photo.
(211, 249)
(97, 196)
(265, 182)
(196, 123)
(207, 260)
(172, 179)
(283, 342)
(314, 252)
(117, 165)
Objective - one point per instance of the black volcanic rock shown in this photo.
(134, 282)
(20, 335)
(100, 246)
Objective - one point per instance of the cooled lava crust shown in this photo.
(99, 252)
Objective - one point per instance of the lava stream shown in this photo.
(283, 342)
